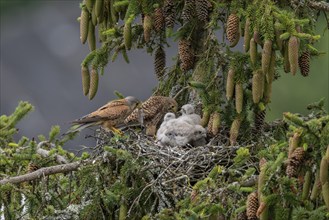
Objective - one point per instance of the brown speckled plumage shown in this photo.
(153, 111)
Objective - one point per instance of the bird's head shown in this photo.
(169, 116)
(187, 109)
(133, 102)
(172, 105)
(199, 132)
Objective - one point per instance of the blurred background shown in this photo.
(40, 56)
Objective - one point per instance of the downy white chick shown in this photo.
(161, 133)
(189, 116)
(198, 136)
(182, 131)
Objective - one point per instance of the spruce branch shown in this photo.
(45, 153)
(45, 171)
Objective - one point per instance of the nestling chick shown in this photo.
(163, 127)
(198, 136)
(189, 116)
(182, 131)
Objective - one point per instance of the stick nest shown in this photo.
(170, 171)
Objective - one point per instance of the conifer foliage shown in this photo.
(250, 169)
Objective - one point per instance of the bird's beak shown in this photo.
(139, 105)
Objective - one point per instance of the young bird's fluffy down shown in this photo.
(182, 131)
(161, 133)
(189, 116)
(198, 136)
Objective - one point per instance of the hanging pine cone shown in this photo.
(295, 160)
(297, 156)
(213, 124)
(186, 55)
(257, 37)
(238, 97)
(304, 63)
(257, 86)
(127, 35)
(293, 47)
(252, 206)
(262, 163)
(85, 75)
(209, 126)
(188, 11)
(93, 83)
(259, 121)
(232, 29)
(32, 167)
(205, 117)
(147, 26)
(230, 83)
(242, 216)
(169, 13)
(234, 131)
(253, 51)
(247, 36)
(84, 22)
(266, 56)
(291, 170)
(91, 36)
(201, 7)
(159, 62)
(159, 20)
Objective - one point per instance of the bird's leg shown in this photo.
(141, 116)
(116, 131)
(151, 130)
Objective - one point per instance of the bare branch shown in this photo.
(45, 153)
(45, 171)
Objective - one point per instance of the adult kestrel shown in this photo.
(152, 112)
(109, 115)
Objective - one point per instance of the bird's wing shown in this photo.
(150, 108)
(111, 111)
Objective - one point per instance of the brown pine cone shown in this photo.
(234, 131)
(201, 7)
(252, 206)
(186, 55)
(169, 13)
(159, 62)
(32, 167)
(232, 29)
(293, 47)
(159, 20)
(304, 63)
(188, 11)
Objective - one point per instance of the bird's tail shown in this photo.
(124, 126)
(75, 128)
